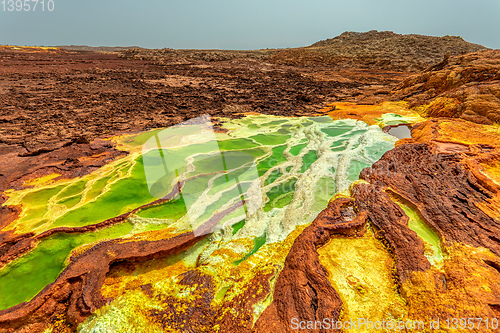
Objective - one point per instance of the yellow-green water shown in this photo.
(301, 164)
(432, 242)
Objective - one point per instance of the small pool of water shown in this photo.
(400, 132)
(432, 242)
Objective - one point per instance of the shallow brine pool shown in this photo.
(259, 177)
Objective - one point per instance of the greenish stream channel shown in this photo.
(434, 253)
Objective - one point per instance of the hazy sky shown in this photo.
(236, 24)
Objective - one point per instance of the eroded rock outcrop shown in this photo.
(303, 291)
(465, 86)
(442, 188)
(377, 50)
(391, 226)
(448, 174)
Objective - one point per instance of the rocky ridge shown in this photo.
(373, 49)
(465, 86)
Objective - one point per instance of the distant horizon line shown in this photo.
(232, 49)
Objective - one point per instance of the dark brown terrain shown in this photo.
(52, 99)
(377, 50)
(56, 95)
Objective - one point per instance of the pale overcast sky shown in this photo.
(235, 24)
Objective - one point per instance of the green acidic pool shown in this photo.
(300, 164)
(433, 250)
(25, 277)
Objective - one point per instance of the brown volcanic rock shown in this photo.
(438, 180)
(166, 55)
(466, 86)
(377, 50)
(49, 98)
(303, 290)
(54, 96)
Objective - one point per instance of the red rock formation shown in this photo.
(302, 290)
(391, 227)
(441, 186)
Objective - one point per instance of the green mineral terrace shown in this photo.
(301, 163)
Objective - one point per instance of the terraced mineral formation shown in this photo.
(102, 236)
(106, 269)
(410, 261)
